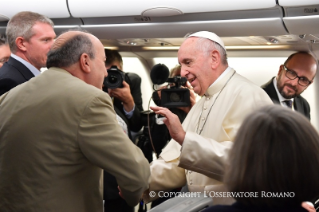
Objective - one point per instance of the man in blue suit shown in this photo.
(30, 36)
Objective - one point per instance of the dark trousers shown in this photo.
(117, 205)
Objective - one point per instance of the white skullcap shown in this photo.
(209, 35)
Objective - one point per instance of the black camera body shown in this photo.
(175, 96)
(114, 78)
(154, 135)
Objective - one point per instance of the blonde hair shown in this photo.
(176, 71)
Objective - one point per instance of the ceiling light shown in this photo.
(227, 47)
(160, 47)
(257, 47)
(111, 47)
(66, 27)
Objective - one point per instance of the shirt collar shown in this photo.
(33, 69)
(221, 76)
(280, 97)
(220, 82)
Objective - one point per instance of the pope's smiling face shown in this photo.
(195, 65)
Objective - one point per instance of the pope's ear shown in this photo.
(215, 58)
(85, 63)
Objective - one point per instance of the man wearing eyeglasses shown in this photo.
(294, 76)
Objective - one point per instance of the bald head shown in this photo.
(68, 48)
(81, 54)
(304, 61)
(63, 38)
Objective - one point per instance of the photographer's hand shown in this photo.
(172, 122)
(124, 95)
(159, 90)
(192, 98)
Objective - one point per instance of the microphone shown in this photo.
(159, 74)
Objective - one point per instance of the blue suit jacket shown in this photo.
(13, 73)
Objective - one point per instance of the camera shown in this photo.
(114, 78)
(175, 96)
(155, 135)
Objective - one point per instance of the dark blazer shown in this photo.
(133, 124)
(13, 73)
(110, 190)
(300, 104)
(134, 81)
(238, 207)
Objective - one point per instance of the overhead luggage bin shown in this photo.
(243, 27)
(160, 18)
(4, 18)
(296, 25)
(296, 3)
(227, 23)
(51, 9)
(296, 17)
(102, 8)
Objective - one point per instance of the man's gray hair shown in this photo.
(20, 25)
(70, 52)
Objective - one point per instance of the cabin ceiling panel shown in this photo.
(103, 8)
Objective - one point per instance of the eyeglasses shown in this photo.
(290, 74)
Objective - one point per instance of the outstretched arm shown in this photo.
(172, 122)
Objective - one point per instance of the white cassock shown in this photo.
(210, 128)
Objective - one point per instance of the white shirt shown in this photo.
(280, 97)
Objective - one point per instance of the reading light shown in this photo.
(273, 40)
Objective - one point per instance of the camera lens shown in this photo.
(174, 97)
(113, 79)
